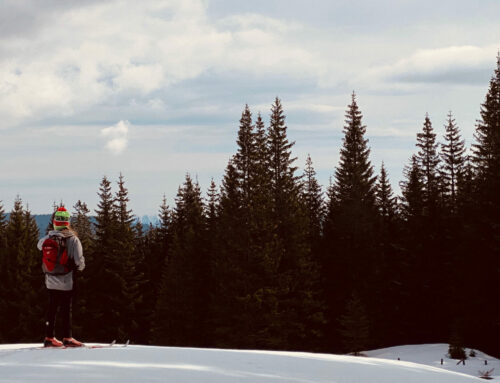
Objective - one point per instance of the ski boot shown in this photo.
(52, 342)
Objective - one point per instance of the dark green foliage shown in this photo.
(267, 263)
(453, 159)
(81, 224)
(386, 202)
(349, 240)
(182, 308)
(428, 161)
(412, 189)
(312, 197)
(106, 273)
(22, 285)
(355, 326)
(131, 260)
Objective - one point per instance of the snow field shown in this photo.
(20, 363)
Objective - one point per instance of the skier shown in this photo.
(60, 286)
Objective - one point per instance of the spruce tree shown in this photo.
(106, 273)
(387, 268)
(452, 155)
(82, 224)
(385, 200)
(355, 326)
(412, 190)
(131, 262)
(230, 268)
(294, 313)
(486, 229)
(4, 288)
(428, 160)
(181, 314)
(245, 155)
(157, 245)
(313, 200)
(351, 220)
(23, 315)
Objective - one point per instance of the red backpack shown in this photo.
(55, 256)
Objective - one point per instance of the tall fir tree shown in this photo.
(351, 219)
(428, 159)
(181, 315)
(312, 196)
(106, 273)
(453, 158)
(23, 280)
(82, 224)
(131, 260)
(387, 270)
(3, 265)
(385, 200)
(486, 230)
(294, 315)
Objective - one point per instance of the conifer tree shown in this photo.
(486, 229)
(486, 149)
(158, 255)
(351, 220)
(81, 223)
(237, 258)
(106, 282)
(3, 265)
(313, 199)
(22, 278)
(292, 302)
(428, 160)
(131, 261)
(231, 272)
(387, 271)
(32, 281)
(355, 326)
(157, 246)
(452, 155)
(182, 308)
(412, 190)
(245, 155)
(385, 200)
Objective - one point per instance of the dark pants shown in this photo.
(59, 300)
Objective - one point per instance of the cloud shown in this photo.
(120, 51)
(116, 136)
(454, 65)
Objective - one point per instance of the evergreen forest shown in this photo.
(269, 259)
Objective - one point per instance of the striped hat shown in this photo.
(61, 218)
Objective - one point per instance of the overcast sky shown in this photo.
(155, 89)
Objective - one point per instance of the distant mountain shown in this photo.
(42, 221)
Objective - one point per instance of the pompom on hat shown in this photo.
(61, 218)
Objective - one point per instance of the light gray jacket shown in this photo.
(75, 253)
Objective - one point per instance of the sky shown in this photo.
(155, 89)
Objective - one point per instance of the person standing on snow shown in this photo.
(60, 284)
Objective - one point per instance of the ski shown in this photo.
(90, 346)
(98, 345)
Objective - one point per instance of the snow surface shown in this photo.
(23, 363)
(431, 355)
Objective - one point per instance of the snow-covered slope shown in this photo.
(141, 364)
(431, 355)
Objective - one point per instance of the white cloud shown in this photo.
(115, 51)
(116, 136)
(454, 64)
